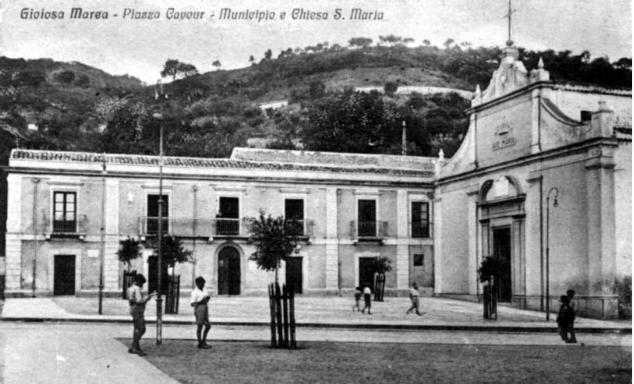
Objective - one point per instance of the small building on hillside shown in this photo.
(354, 208)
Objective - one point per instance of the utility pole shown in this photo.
(36, 181)
(102, 253)
(160, 94)
(555, 203)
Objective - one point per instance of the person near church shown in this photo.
(367, 298)
(414, 296)
(199, 300)
(137, 301)
(571, 316)
(563, 321)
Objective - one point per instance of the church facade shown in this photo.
(541, 183)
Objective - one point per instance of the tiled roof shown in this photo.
(334, 158)
(193, 162)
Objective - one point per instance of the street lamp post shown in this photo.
(159, 298)
(555, 203)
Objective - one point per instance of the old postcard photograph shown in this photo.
(326, 191)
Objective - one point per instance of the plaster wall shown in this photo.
(623, 209)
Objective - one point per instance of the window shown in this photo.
(419, 259)
(420, 219)
(64, 212)
(294, 211)
(367, 218)
(153, 214)
(228, 217)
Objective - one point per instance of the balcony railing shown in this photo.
(66, 228)
(368, 229)
(185, 227)
(421, 230)
(228, 227)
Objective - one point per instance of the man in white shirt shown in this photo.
(137, 307)
(199, 300)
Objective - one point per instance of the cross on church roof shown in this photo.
(508, 15)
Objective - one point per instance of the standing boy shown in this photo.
(414, 297)
(199, 300)
(367, 298)
(137, 301)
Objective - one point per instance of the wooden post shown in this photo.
(292, 318)
(272, 308)
(278, 314)
(285, 309)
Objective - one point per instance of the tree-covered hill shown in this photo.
(72, 106)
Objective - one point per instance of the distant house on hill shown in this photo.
(276, 104)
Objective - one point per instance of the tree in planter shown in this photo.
(274, 240)
(382, 265)
(172, 252)
(489, 271)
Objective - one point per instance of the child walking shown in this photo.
(357, 298)
(414, 297)
(367, 298)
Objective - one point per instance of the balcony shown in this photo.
(421, 230)
(368, 230)
(69, 228)
(207, 228)
(193, 228)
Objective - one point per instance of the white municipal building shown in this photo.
(542, 182)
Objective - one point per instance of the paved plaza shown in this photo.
(439, 313)
(63, 340)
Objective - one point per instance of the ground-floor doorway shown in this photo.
(366, 271)
(502, 252)
(64, 275)
(294, 274)
(229, 271)
(152, 283)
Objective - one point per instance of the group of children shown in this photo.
(200, 298)
(566, 317)
(414, 296)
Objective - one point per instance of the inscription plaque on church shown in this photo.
(503, 137)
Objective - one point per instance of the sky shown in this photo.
(122, 45)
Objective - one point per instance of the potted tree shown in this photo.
(173, 252)
(382, 265)
(129, 250)
(274, 240)
(488, 271)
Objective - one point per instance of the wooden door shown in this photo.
(64, 275)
